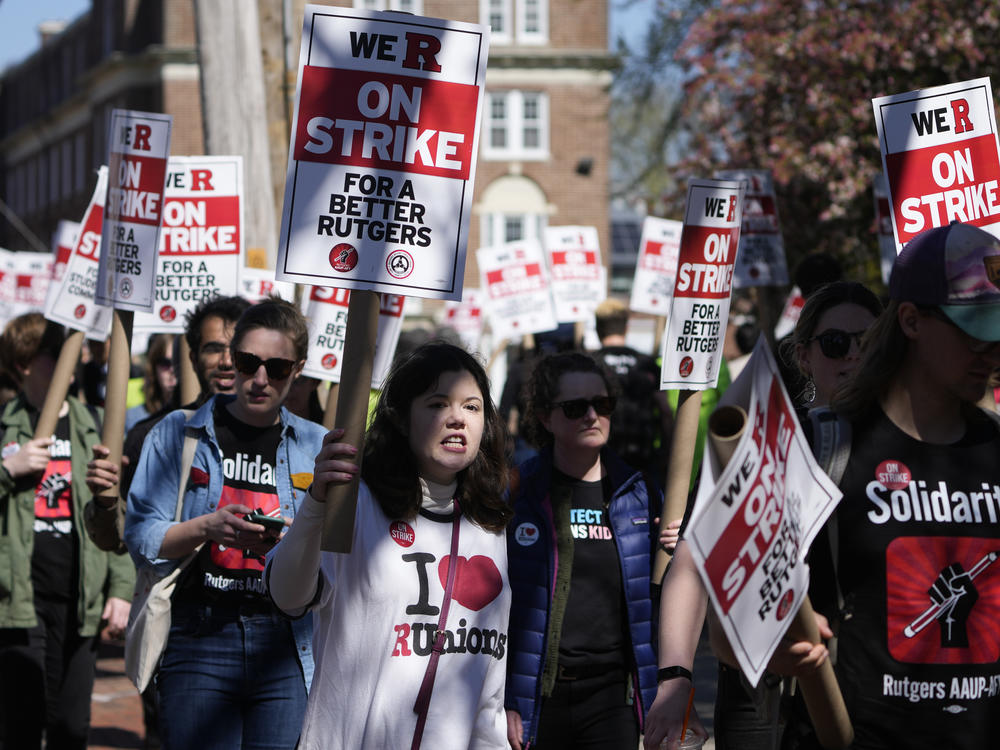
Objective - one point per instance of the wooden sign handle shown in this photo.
(352, 414)
(69, 355)
(119, 364)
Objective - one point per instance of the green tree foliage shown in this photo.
(787, 85)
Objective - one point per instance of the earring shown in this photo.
(808, 394)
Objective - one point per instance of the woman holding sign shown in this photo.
(583, 661)
(916, 539)
(411, 625)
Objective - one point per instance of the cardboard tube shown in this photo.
(819, 689)
(678, 482)
(725, 428)
(352, 414)
(119, 362)
(69, 355)
(188, 378)
(330, 411)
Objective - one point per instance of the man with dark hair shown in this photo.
(641, 424)
(56, 587)
(209, 332)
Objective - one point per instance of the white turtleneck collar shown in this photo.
(438, 498)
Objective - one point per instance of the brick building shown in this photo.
(545, 147)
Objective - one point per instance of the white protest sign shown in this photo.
(31, 274)
(6, 286)
(325, 311)
(466, 317)
(752, 524)
(656, 266)
(201, 239)
(941, 157)
(578, 278)
(73, 305)
(692, 344)
(789, 314)
(517, 289)
(883, 227)
(62, 247)
(383, 152)
(258, 283)
(138, 147)
(760, 260)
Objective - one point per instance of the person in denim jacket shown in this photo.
(235, 671)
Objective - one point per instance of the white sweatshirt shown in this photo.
(375, 622)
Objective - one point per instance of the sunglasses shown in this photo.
(835, 343)
(976, 346)
(577, 407)
(248, 364)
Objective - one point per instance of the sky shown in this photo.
(19, 21)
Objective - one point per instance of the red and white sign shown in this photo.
(513, 277)
(258, 283)
(383, 152)
(138, 148)
(760, 260)
(941, 157)
(692, 344)
(201, 239)
(325, 310)
(466, 317)
(579, 279)
(656, 266)
(789, 314)
(753, 522)
(73, 305)
(883, 227)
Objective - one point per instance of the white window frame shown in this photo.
(416, 6)
(540, 35)
(514, 124)
(505, 34)
(492, 227)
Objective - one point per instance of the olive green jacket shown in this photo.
(102, 574)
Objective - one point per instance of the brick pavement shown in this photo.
(116, 709)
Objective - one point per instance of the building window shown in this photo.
(517, 125)
(409, 6)
(516, 21)
(512, 208)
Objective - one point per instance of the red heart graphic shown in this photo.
(530, 532)
(477, 580)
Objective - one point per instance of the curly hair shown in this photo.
(389, 468)
(543, 388)
(27, 336)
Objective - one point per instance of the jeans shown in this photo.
(230, 678)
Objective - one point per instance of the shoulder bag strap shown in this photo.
(423, 701)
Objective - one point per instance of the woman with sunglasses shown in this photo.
(826, 343)
(582, 666)
(235, 671)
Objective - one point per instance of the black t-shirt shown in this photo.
(919, 566)
(593, 623)
(249, 462)
(636, 429)
(54, 559)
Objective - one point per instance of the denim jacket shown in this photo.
(152, 498)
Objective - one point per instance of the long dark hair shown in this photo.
(389, 468)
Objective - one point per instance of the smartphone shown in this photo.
(268, 522)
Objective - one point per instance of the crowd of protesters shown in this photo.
(499, 590)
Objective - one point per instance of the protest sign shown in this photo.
(789, 314)
(760, 260)
(383, 152)
(138, 147)
(201, 239)
(62, 247)
(883, 227)
(941, 157)
(73, 304)
(325, 311)
(517, 289)
(6, 287)
(692, 345)
(466, 317)
(754, 520)
(258, 283)
(31, 276)
(578, 277)
(656, 266)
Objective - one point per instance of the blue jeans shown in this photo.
(230, 679)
